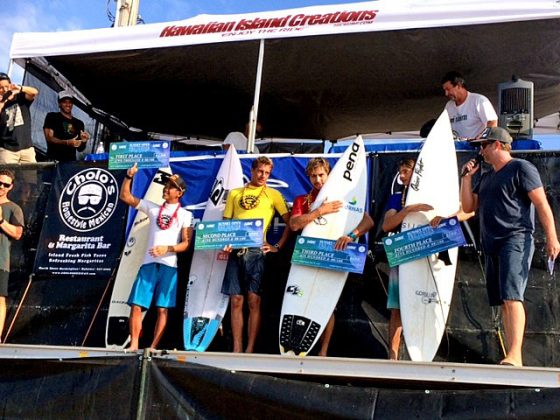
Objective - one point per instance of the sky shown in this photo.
(67, 15)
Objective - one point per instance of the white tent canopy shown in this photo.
(329, 71)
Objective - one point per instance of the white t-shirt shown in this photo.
(470, 118)
(171, 236)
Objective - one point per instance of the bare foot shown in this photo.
(510, 362)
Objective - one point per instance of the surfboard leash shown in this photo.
(110, 282)
(440, 304)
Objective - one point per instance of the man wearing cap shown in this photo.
(469, 113)
(16, 145)
(64, 133)
(170, 233)
(506, 197)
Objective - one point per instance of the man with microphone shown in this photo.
(506, 197)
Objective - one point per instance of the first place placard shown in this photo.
(147, 154)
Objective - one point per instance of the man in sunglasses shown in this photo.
(318, 170)
(469, 113)
(170, 233)
(16, 145)
(506, 197)
(11, 228)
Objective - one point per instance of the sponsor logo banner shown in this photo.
(147, 154)
(320, 253)
(80, 235)
(423, 241)
(246, 233)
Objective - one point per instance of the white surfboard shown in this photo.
(312, 293)
(117, 332)
(205, 304)
(426, 285)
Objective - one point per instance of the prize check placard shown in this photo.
(320, 253)
(237, 233)
(147, 154)
(422, 241)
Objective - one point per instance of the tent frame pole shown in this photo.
(255, 109)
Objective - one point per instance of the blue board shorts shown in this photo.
(244, 272)
(507, 270)
(157, 281)
(393, 301)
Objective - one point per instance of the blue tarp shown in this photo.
(380, 146)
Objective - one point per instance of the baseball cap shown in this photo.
(494, 133)
(65, 94)
(177, 182)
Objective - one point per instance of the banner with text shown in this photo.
(82, 231)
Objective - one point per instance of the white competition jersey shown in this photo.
(171, 236)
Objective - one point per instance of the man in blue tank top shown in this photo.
(506, 198)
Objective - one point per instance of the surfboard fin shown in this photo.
(444, 256)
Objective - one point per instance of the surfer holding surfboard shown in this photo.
(318, 170)
(170, 233)
(395, 213)
(245, 266)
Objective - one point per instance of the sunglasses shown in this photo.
(5, 184)
(485, 143)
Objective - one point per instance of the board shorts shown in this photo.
(393, 301)
(4, 277)
(244, 272)
(154, 281)
(507, 270)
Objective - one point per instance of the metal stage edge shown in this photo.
(406, 371)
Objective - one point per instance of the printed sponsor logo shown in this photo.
(427, 297)
(294, 290)
(417, 177)
(351, 206)
(351, 162)
(273, 24)
(218, 191)
(88, 200)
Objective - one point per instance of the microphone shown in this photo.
(477, 161)
(6, 95)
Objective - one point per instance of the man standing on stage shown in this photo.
(318, 172)
(469, 113)
(11, 228)
(65, 134)
(245, 268)
(16, 145)
(506, 197)
(170, 233)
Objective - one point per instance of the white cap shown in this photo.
(65, 94)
